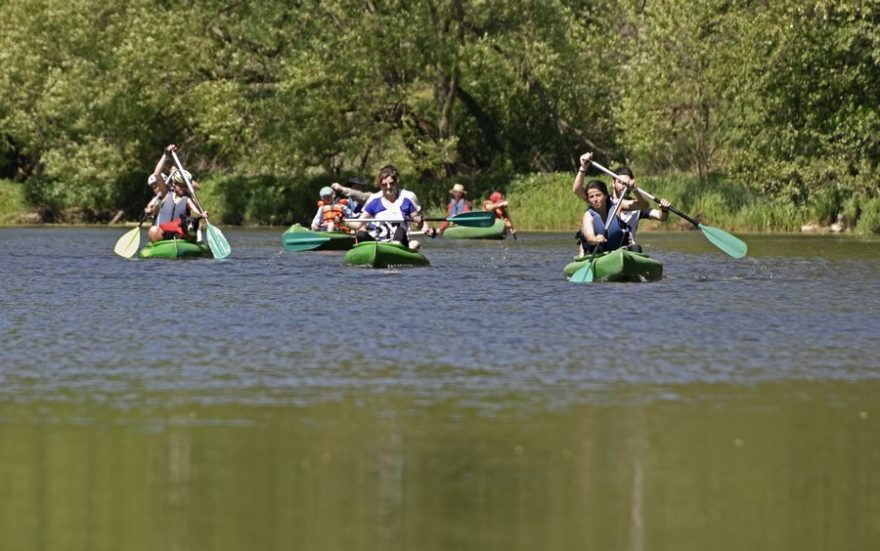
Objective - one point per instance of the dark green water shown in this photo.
(284, 401)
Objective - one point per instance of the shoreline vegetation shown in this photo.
(747, 115)
(538, 202)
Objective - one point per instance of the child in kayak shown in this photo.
(331, 213)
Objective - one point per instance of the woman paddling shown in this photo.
(630, 210)
(392, 209)
(594, 235)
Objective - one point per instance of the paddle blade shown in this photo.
(584, 274)
(217, 242)
(299, 242)
(128, 244)
(475, 219)
(731, 245)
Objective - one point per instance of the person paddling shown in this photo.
(595, 235)
(630, 211)
(183, 222)
(173, 218)
(160, 189)
(458, 204)
(356, 193)
(497, 204)
(393, 209)
(635, 210)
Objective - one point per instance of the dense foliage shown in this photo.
(276, 97)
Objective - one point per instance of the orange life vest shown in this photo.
(334, 213)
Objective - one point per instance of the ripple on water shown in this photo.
(487, 319)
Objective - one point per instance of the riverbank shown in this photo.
(538, 202)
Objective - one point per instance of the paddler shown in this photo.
(638, 210)
(393, 210)
(458, 204)
(594, 235)
(497, 204)
(176, 208)
(631, 210)
(160, 189)
(356, 193)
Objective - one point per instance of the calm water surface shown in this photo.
(283, 400)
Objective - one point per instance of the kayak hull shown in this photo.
(619, 265)
(298, 238)
(383, 255)
(175, 248)
(495, 231)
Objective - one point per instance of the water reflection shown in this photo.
(726, 467)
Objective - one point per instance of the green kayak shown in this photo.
(619, 265)
(383, 254)
(298, 238)
(175, 248)
(495, 231)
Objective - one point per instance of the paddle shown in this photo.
(127, 245)
(584, 274)
(303, 241)
(728, 243)
(216, 241)
(475, 219)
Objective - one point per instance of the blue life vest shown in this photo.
(615, 234)
(456, 207)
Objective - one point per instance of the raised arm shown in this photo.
(578, 186)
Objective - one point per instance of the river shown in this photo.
(280, 400)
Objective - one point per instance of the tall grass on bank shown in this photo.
(537, 202)
(546, 202)
(12, 203)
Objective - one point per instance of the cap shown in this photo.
(151, 179)
(496, 197)
(325, 192)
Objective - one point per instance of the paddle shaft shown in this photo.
(398, 221)
(648, 195)
(186, 179)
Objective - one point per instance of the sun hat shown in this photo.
(458, 187)
(496, 197)
(325, 192)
